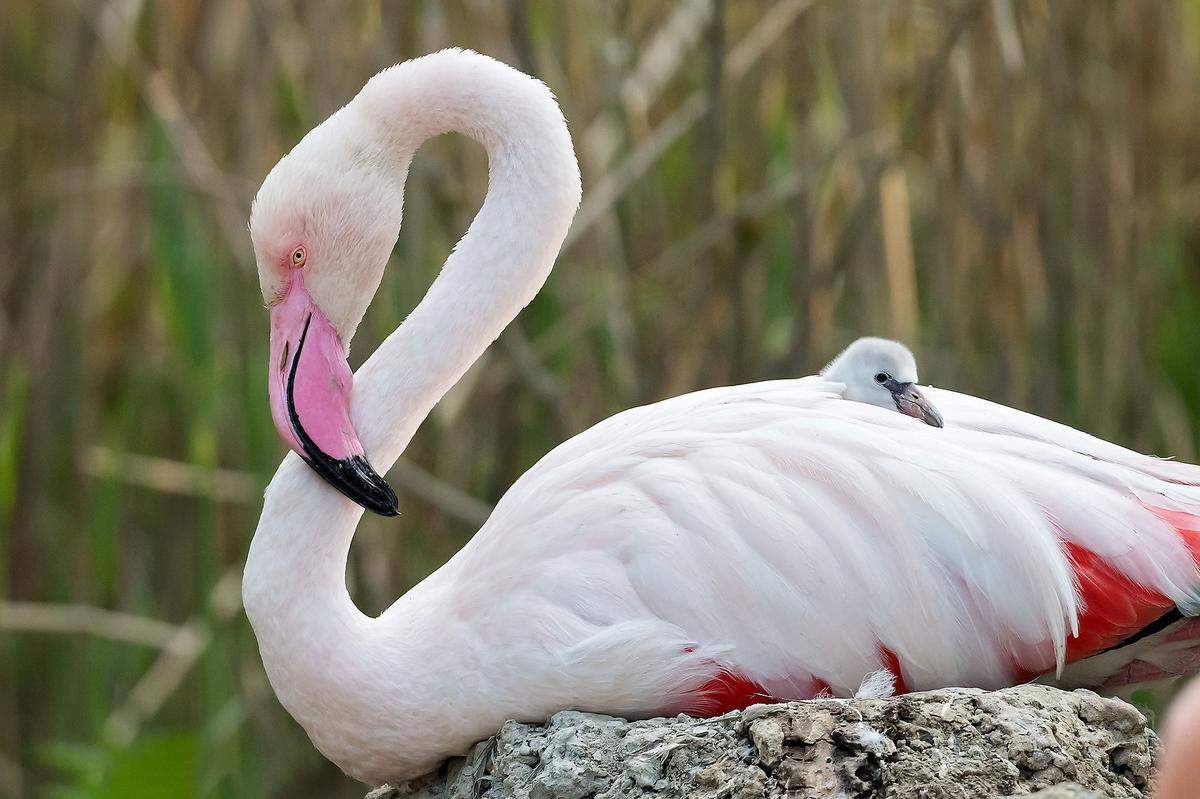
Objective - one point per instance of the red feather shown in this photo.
(1115, 607)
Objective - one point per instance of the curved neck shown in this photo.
(295, 573)
(506, 254)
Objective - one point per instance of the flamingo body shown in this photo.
(817, 540)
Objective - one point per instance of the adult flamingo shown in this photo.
(771, 540)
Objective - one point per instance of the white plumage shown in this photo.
(772, 535)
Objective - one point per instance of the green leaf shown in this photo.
(155, 767)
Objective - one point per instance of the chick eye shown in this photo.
(298, 256)
(882, 377)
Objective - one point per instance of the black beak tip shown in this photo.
(382, 503)
(390, 506)
(357, 480)
(364, 485)
(383, 510)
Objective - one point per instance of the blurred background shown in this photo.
(1010, 186)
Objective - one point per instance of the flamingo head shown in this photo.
(323, 224)
(884, 373)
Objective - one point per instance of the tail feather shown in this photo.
(1131, 635)
(1171, 652)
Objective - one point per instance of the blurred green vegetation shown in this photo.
(1011, 186)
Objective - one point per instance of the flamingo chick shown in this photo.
(882, 372)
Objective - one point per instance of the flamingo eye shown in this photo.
(882, 377)
(299, 256)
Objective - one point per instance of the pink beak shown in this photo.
(309, 386)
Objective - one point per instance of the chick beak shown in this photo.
(911, 402)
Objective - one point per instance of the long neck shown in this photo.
(295, 573)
